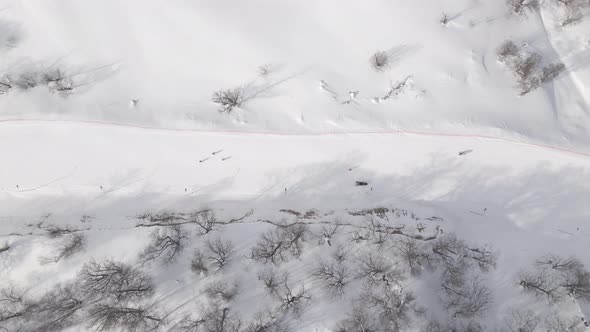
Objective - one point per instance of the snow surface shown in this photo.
(139, 131)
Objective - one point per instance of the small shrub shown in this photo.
(380, 60)
(228, 99)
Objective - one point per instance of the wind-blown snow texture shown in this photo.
(109, 140)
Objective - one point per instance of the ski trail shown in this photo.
(308, 134)
(46, 184)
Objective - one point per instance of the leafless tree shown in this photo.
(520, 6)
(334, 276)
(222, 291)
(574, 10)
(215, 317)
(114, 280)
(375, 269)
(218, 253)
(577, 284)
(206, 220)
(507, 51)
(13, 307)
(276, 245)
(57, 309)
(272, 281)
(380, 60)
(555, 276)
(71, 245)
(413, 255)
(523, 321)
(166, 244)
(392, 304)
(527, 67)
(542, 285)
(556, 323)
(106, 317)
(465, 296)
(444, 20)
(358, 320)
(396, 89)
(4, 246)
(228, 99)
(265, 70)
(190, 324)
(558, 263)
(450, 250)
(293, 300)
(199, 263)
(6, 84)
(27, 80)
(55, 231)
(267, 322)
(340, 253)
(58, 81)
(219, 318)
(328, 232)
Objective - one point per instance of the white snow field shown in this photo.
(370, 166)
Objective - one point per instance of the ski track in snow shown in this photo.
(303, 134)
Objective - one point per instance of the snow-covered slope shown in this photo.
(483, 184)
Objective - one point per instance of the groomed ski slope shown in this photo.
(534, 199)
(456, 146)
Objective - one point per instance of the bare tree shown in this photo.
(57, 309)
(328, 232)
(166, 243)
(577, 284)
(4, 246)
(215, 317)
(6, 83)
(374, 269)
(444, 20)
(527, 67)
(220, 290)
(392, 303)
(574, 10)
(13, 307)
(106, 317)
(228, 99)
(334, 276)
(27, 80)
(340, 254)
(205, 220)
(558, 263)
(58, 81)
(71, 245)
(507, 51)
(359, 320)
(276, 245)
(380, 60)
(219, 253)
(555, 276)
(414, 256)
(450, 250)
(466, 298)
(541, 285)
(114, 280)
(219, 318)
(523, 321)
(199, 263)
(520, 6)
(190, 324)
(293, 300)
(267, 322)
(273, 281)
